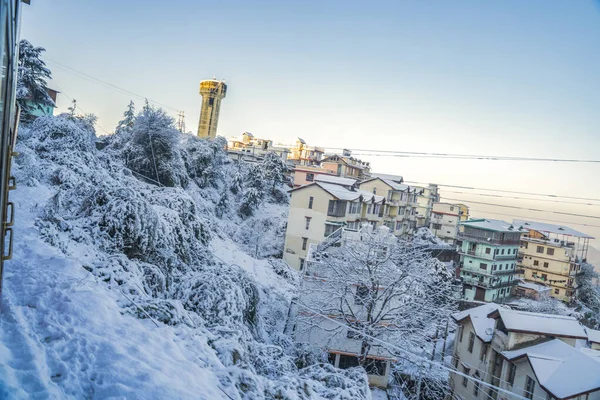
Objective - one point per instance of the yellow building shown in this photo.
(319, 209)
(552, 255)
(400, 211)
(347, 166)
(302, 154)
(212, 92)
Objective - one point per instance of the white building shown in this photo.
(533, 355)
(445, 220)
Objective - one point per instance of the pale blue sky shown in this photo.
(507, 77)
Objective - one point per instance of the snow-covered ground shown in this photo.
(121, 288)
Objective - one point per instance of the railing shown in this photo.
(333, 238)
(488, 285)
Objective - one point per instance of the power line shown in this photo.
(108, 84)
(538, 219)
(526, 208)
(395, 153)
(506, 191)
(521, 198)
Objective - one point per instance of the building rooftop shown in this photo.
(533, 286)
(484, 326)
(541, 324)
(562, 370)
(495, 225)
(593, 335)
(397, 178)
(335, 180)
(369, 196)
(543, 227)
(339, 191)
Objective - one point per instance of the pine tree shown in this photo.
(254, 193)
(126, 124)
(274, 170)
(32, 91)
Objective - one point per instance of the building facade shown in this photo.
(319, 209)
(212, 92)
(347, 166)
(552, 255)
(426, 198)
(528, 354)
(400, 211)
(303, 154)
(488, 257)
(445, 220)
(305, 174)
(248, 148)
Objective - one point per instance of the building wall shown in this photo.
(296, 226)
(554, 270)
(300, 173)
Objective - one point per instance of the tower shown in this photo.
(212, 91)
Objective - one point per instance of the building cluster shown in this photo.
(537, 356)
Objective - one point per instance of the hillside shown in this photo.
(135, 275)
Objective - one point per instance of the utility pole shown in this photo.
(181, 121)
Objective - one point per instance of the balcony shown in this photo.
(476, 239)
(488, 285)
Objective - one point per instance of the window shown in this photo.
(471, 342)
(354, 208)
(375, 367)
(353, 225)
(331, 358)
(307, 224)
(374, 190)
(310, 202)
(301, 264)
(304, 242)
(329, 229)
(540, 249)
(556, 291)
(310, 177)
(536, 263)
(399, 225)
(544, 277)
(362, 292)
(512, 370)
(546, 265)
(550, 251)
(488, 250)
(484, 350)
(436, 226)
(502, 252)
(529, 387)
(460, 333)
(514, 251)
(348, 361)
(483, 265)
(476, 389)
(451, 208)
(336, 208)
(465, 380)
(524, 244)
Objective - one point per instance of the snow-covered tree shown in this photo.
(154, 151)
(32, 89)
(275, 169)
(254, 193)
(126, 124)
(378, 288)
(588, 297)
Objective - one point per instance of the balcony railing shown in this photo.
(466, 237)
(487, 284)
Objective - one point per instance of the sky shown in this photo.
(511, 78)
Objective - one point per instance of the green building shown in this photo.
(488, 255)
(38, 110)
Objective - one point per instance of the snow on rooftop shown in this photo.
(533, 286)
(492, 225)
(550, 228)
(369, 196)
(560, 368)
(339, 191)
(397, 178)
(335, 179)
(546, 324)
(593, 335)
(484, 326)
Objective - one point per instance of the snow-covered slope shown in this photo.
(123, 288)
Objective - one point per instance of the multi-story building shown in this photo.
(212, 91)
(426, 198)
(305, 174)
(302, 154)
(488, 259)
(400, 210)
(347, 166)
(536, 356)
(552, 255)
(324, 206)
(445, 220)
(248, 148)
